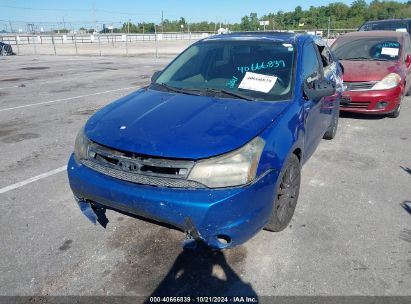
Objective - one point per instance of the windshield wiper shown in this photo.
(226, 92)
(357, 58)
(176, 90)
(380, 59)
(198, 92)
(234, 94)
(366, 58)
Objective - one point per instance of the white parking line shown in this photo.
(16, 86)
(64, 99)
(32, 179)
(31, 84)
(29, 73)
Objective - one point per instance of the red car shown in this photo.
(377, 71)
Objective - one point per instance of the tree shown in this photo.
(316, 17)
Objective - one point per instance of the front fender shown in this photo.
(284, 136)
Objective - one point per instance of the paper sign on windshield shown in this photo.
(257, 82)
(389, 51)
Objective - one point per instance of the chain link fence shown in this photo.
(102, 44)
(117, 44)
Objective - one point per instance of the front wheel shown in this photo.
(332, 129)
(286, 196)
(396, 112)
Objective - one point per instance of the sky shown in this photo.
(115, 12)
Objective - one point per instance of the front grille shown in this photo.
(359, 86)
(142, 179)
(356, 105)
(140, 169)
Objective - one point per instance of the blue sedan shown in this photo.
(215, 144)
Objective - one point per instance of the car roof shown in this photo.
(387, 20)
(382, 34)
(259, 36)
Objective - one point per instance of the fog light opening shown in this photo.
(382, 104)
(224, 240)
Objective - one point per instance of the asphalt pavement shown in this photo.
(351, 233)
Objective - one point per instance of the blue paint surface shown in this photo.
(174, 125)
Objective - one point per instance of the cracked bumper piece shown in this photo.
(221, 218)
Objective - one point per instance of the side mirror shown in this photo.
(341, 67)
(408, 61)
(319, 89)
(155, 76)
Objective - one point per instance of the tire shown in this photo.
(286, 196)
(332, 129)
(396, 112)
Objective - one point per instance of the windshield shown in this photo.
(251, 70)
(366, 48)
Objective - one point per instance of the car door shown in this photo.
(407, 51)
(331, 73)
(313, 116)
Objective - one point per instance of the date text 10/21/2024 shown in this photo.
(238, 299)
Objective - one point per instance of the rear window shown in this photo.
(400, 26)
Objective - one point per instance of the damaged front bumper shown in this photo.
(221, 218)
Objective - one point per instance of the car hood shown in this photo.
(356, 70)
(180, 126)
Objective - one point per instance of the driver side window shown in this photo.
(312, 70)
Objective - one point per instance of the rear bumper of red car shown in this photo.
(371, 101)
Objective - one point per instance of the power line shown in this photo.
(43, 9)
(79, 10)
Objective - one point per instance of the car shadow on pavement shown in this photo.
(361, 116)
(202, 272)
(408, 170)
(405, 235)
(407, 206)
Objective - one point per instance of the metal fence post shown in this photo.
(126, 45)
(34, 45)
(17, 44)
(156, 40)
(54, 45)
(75, 43)
(99, 44)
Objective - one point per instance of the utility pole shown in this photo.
(95, 20)
(128, 26)
(11, 27)
(162, 22)
(64, 23)
(329, 25)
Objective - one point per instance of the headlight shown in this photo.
(232, 169)
(388, 82)
(81, 145)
